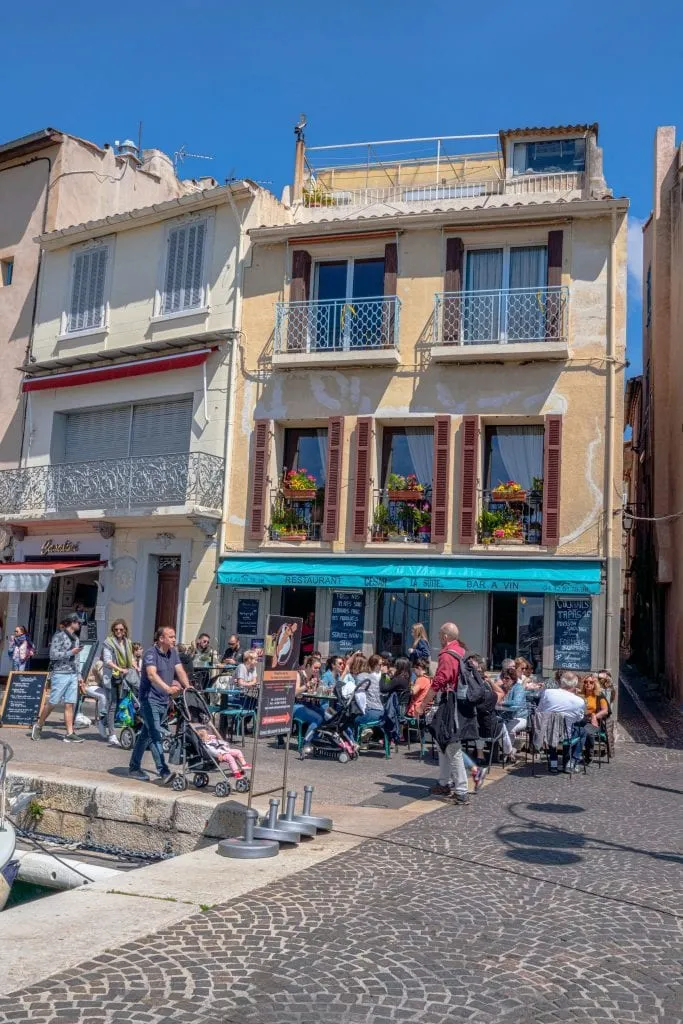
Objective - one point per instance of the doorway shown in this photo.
(168, 591)
(300, 602)
(516, 628)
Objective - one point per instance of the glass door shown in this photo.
(331, 280)
(481, 304)
(527, 297)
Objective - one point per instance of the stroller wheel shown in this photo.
(166, 744)
(343, 757)
(222, 789)
(179, 783)
(242, 785)
(127, 738)
(200, 780)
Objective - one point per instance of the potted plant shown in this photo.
(510, 491)
(404, 488)
(285, 524)
(537, 485)
(299, 485)
(422, 521)
(381, 521)
(509, 533)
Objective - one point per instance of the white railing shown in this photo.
(337, 325)
(501, 316)
(318, 195)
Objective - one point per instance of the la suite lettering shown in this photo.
(65, 547)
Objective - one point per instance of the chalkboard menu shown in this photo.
(23, 699)
(346, 622)
(247, 616)
(573, 628)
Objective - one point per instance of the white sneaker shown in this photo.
(114, 740)
(36, 731)
(102, 728)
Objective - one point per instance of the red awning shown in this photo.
(34, 577)
(51, 565)
(95, 375)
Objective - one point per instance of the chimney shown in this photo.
(299, 153)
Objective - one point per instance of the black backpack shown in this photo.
(471, 685)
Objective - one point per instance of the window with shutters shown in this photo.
(124, 431)
(297, 503)
(505, 296)
(402, 506)
(184, 285)
(512, 499)
(87, 301)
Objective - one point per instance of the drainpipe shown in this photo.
(611, 585)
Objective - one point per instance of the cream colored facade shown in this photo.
(577, 376)
(148, 503)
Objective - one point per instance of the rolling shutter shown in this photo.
(184, 281)
(452, 282)
(441, 478)
(333, 477)
(96, 435)
(467, 528)
(362, 478)
(552, 458)
(161, 428)
(86, 310)
(263, 430)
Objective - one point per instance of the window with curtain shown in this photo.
(306, 449)
(549, 157)
(514, 453)
(505, 296)
(406, 451)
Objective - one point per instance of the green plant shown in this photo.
(35, 810)
(537, 484)
(299, 480)
(316, 194)
(381, 519)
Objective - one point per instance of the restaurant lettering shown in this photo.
(64, 547)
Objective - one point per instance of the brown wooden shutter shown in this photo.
(469, 431)
(552, 459)
(441, 478)
(263, 430)
(362, 478)
(553, 316)
(452, 282)
(390, 283)
(301, 276)
(333, 477)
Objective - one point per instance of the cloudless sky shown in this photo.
(230, 79)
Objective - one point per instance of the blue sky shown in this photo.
(230, 79)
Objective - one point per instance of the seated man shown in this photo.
(565, 701)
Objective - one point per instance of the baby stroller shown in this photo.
(332, 739)
(128, 717)
(193, 756)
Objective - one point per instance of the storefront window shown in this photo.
(516, 628)
(397, 611)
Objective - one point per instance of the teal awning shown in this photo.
(536, 576)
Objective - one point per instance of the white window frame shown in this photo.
(205, 305)
(530, 141)
(107, 243)
(506, 248)
(350, 264)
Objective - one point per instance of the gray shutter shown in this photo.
(86, 310)
(183, 284)
(97, 434)
(161, 428)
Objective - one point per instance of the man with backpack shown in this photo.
(444, 724)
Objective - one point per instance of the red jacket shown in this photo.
(448, 668)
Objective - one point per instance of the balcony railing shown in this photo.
(192, 479)
(337, 325)
(500, 317)
(513, 519)
(401, 516)
(296, 518)
(522, 185)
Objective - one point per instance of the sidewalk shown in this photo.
(547, 899)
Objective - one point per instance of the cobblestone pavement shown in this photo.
(547, 899)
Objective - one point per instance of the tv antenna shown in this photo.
(182, 154)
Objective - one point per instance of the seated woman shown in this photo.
(245, 675)
(222, 752)
(597, 709)
(398, 683)
(304, 712)
(367, 693)
(513, 707)
(419, 689)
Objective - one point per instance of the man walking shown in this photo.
(162, 677)
(452, 772)
(64, 677)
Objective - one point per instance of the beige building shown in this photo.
(118, 503)
(417, 334)
(49, 180)
(657, 476)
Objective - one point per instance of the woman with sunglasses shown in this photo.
(117, 662)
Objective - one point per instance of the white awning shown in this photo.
(24, 582)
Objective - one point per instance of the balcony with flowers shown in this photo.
(402, 510)
(297, 507)
(511, 514)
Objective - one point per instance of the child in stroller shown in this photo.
(198, 747)
(222, 751)
(334, 737)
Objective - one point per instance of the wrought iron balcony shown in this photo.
(296, 518)
(510, 518)
(337, 325)
(193, 480)
(501, 317)
(402, 516)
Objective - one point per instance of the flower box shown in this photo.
(519, 497)
(303, 494)
(406, 495)
(508, 540)
(379, 537)
(294, 536)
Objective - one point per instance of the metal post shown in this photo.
(257, 726)
(308, 799)
(438, 159)
(288, 738)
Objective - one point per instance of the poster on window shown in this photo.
(573, 629)
(346, 621)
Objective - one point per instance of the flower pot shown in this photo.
(518, 497)
(508, 540)
(406, 495)
(294, 536)
(294, 494)
(378, 536)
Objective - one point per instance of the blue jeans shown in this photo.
(150, 737)
(369, 718)
(307, 716)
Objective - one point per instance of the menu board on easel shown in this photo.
(347, 621)
(573, 629)
(23, 699)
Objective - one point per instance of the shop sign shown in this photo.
(573, 629)
(24, 698)
(280, 673)
(62, 547)
(247, 616)
(347, 621)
